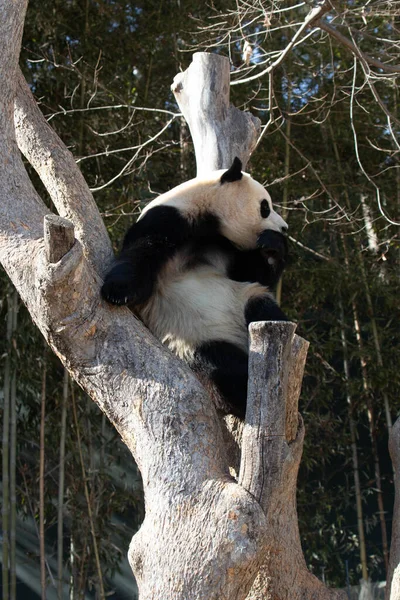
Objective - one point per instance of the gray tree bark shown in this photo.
(205, 535)
(203, 90)
(393, 579)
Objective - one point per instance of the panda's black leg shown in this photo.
(226, 366)
(263, 308)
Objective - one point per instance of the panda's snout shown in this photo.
(278, 223)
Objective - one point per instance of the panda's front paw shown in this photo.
(122, 286)
(273, 244)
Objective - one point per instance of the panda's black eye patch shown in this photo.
(265, 209)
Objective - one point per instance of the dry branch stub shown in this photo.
(264, 432)
(59, 237)
(219, 130)
(271, 453)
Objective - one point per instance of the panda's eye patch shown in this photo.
(265, 209)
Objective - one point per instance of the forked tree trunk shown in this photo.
(206, 535)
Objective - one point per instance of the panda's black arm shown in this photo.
(253, 266)
(147, 246)
(265, 264)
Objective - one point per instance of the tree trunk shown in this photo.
(205, 535)
(286, 174)
(371, 418)
(372, 244)
(88, 502)
(353, 437)
(363, 363)
(393, 579)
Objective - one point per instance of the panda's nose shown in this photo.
(280, 224)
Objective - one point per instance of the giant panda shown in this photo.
(198, 266)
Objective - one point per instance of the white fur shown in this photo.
(199, 305)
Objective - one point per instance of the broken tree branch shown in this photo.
(219, 130)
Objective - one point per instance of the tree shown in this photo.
(228, 530)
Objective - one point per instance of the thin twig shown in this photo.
(395, 69)
(314, 14)
(377, 190)
(310, 250)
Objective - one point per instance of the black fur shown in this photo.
(234, 173)
(265, 264)
(273, 241)
(265, 209)
(244, 265)
(227, 367)
(263, 308)
(224, 364)
(147, 246)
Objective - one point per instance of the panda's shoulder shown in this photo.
(191, 199)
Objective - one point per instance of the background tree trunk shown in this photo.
(61, 488)
(5, 505)
(41, 479)
(13, 457)
(353, 437)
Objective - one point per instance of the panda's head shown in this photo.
(245, 209)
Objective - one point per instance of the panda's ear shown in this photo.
(234, 173)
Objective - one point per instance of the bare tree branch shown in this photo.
(63, 180)
(386, 67)
(356, 149)
(313, 15)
